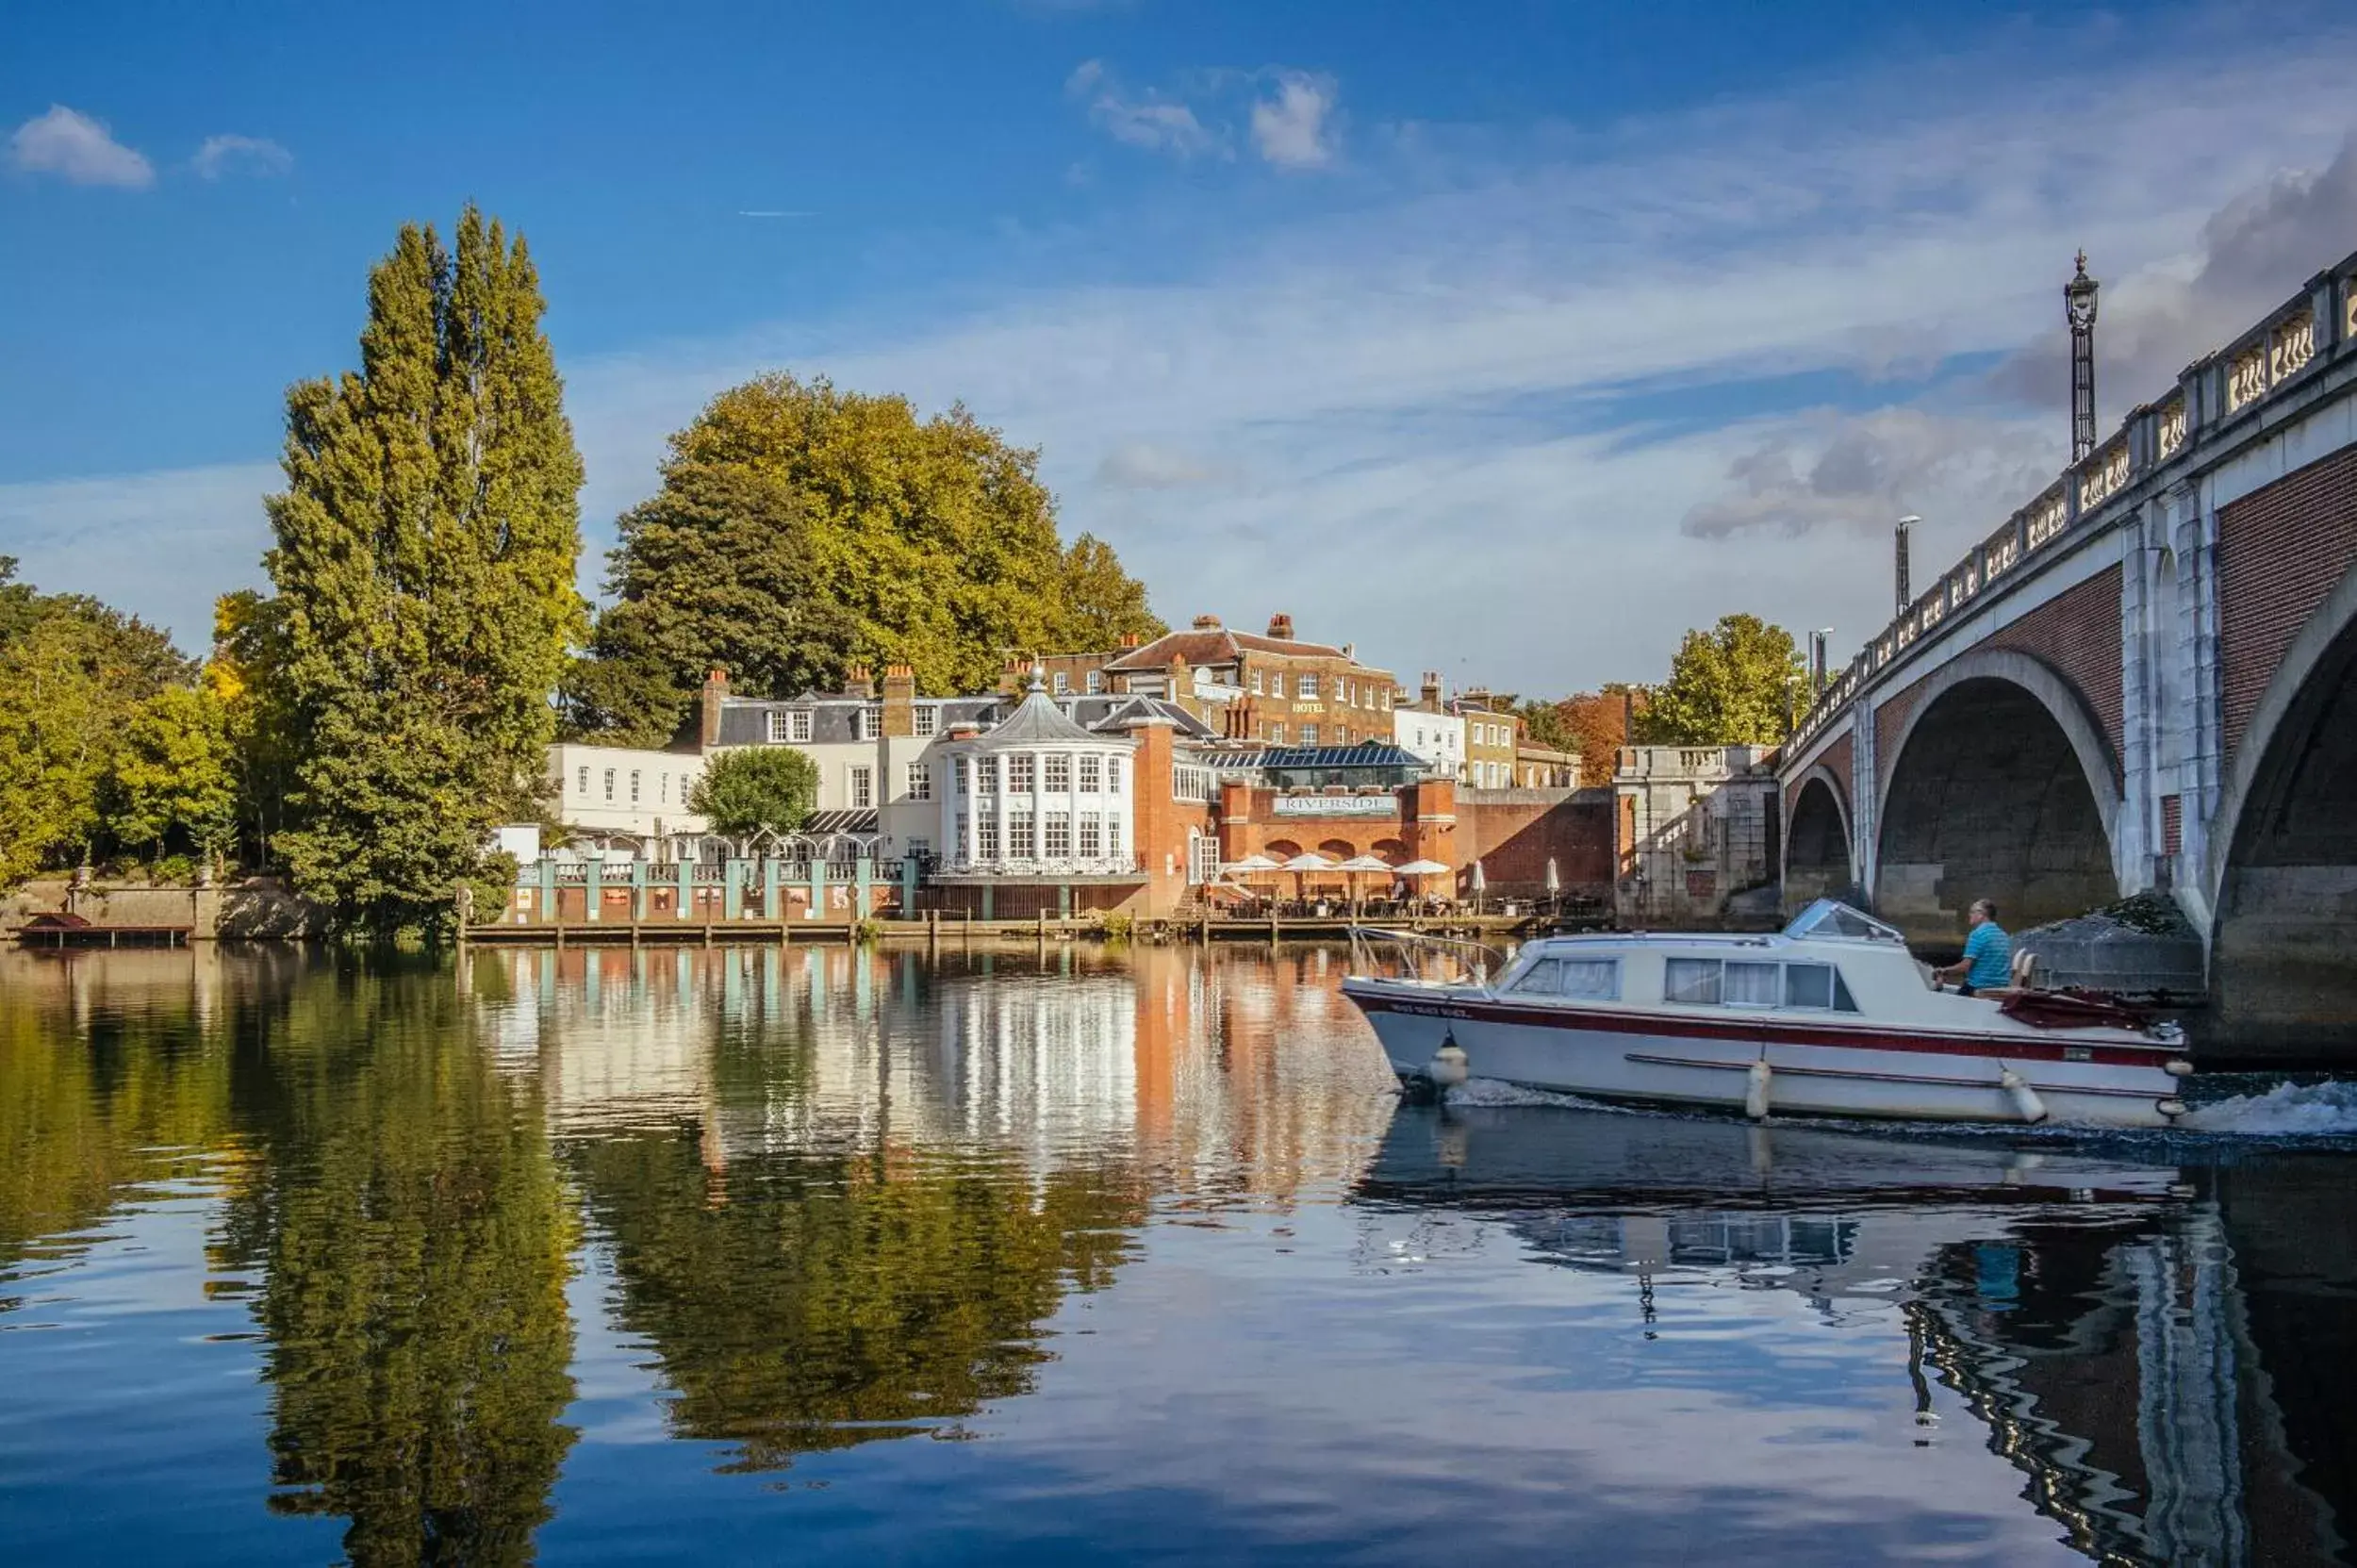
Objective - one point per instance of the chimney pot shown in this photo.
(1280, 627)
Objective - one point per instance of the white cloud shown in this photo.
(230, 153)
(1152, 121)
(1520, 406)
(1855, 473)
(1142, 465)
(159, 545)
(75, 147)
(1295, 129)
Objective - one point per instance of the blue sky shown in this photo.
(1508, 339)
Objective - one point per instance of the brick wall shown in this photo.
(1515, 831)
(2076, 635)
(2281, 550)
(1835, 759)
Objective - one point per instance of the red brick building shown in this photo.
(1271, 688)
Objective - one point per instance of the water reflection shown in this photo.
(2086, 1309)
(549, 1252)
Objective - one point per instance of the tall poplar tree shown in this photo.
(424, 572)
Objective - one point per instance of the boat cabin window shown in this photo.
(1690, 979)
(1589, 978)
(1808, 986)
(1734, 982)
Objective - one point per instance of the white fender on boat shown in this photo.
(1448, 1069)
(2025, 1100)
(1756, 1090)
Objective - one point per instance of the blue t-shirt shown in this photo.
(1989, 950)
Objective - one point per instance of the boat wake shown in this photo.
(2284, 1110)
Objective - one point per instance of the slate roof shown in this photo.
(745, 721)
(1036, 721)
(1214, 646)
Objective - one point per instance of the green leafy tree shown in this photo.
(1728, 687)
(800, 530)
(174, 771)
(247, 675)
(425, 547)
(714, 569)
(72, 674)
(757, 790)
(1102, 604)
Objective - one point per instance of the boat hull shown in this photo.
(1817, 1070)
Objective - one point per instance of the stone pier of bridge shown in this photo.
(2144, 680)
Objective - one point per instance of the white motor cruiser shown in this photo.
(1830, 1017)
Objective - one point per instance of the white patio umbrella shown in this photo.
(1358, 866)
(1480, 885)
(1252, 865)
(1555, 882)
(1307, 861)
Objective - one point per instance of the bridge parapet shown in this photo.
(2217, 398)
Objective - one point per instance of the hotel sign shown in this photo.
(1336, 805)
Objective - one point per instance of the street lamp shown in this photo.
(2079, 310)
(1905, 526)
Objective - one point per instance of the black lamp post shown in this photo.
(2078, 308)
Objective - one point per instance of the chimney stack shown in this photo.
(1207, 623)
(1429, 699)
(716, 696)
(859, 680)
(899, 699)
(1133, 639)
(1280, 627)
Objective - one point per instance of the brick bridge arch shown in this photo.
(2282, 878)
(2001, 785)
(1818, 862)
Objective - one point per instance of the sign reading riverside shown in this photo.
(1336, 805)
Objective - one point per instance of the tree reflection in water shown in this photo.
(811, 1300)
(416, 1240)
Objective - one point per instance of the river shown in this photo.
(746, 1254)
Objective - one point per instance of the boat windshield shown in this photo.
(1831, 918)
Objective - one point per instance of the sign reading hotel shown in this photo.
(1336, 805)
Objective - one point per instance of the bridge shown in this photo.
(2146, 680)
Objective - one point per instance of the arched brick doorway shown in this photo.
(2000, 788)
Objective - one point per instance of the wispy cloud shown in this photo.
(231, 154)
(1523, 403)
(1144, 465)
(1146, 120)
(75, 147)
(1295, 129)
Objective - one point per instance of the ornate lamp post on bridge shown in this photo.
(2078, 308)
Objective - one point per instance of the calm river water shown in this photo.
(749, 1255)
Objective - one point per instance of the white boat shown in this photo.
(1832, 1017)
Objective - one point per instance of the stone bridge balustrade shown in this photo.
(2131, 684)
